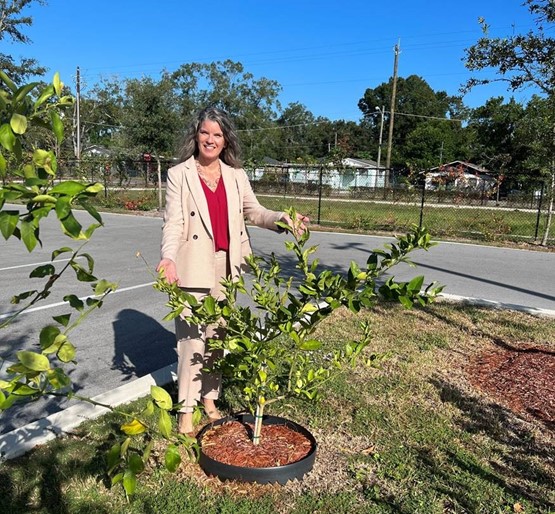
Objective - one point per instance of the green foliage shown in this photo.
(40, 372)
(128, 459)
(270, 351)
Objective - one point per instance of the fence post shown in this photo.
(538, 217)
(320, 193)
(422, 205)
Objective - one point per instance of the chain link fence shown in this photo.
(351, 199)
(390, 203)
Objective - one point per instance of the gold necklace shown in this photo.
(211, 183)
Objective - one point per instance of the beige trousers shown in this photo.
(193, 383)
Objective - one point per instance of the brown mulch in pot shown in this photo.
(230, 443)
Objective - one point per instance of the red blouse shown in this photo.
(217, 207)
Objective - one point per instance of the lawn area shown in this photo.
(422, 430)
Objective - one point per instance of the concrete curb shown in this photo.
(21, 440)
(535, 311)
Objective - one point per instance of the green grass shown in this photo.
(468, 223)
(473, 223)
(408, 436)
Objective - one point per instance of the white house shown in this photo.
(354, 173)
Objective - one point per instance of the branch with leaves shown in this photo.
(270, 351)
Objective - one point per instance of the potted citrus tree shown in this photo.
(270, 352)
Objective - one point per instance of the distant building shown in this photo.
(460, 175)
(353, 173)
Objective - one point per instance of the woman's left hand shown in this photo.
(299, 225)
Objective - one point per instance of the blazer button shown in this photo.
(192, 213)
(195, 237)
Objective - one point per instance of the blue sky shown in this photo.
(323, 53)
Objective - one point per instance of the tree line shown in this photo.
(513, 140)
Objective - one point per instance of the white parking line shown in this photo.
(57, 304)
(37, 264)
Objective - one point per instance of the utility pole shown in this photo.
(78, 117)
(381, 111)
(392, 108)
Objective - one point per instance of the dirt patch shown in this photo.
(522, 379)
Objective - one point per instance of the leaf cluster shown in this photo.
(270, 351)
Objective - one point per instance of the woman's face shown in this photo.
(210, 141)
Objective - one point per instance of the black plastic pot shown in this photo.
(276, 474)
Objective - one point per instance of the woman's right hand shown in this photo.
(167, 267)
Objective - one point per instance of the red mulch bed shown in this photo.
(230, 443)
(522, 379)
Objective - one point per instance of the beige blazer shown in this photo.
(187, 237)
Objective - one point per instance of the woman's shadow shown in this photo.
(141, 344)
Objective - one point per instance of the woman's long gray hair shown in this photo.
(231, 152)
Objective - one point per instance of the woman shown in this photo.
(204, 239)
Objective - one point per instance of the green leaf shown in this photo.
(116, 479)
(310, 344)
(7, 137)
(134, 427)
(22, 296)
(8, 222)
(102, 286)
(129, 482)
(161, 397)
(406, 302)
(57, 83)
(68, 187)
(23, 91)
(43, 271)
(63, 207)
(8, 402)
(62, 319)
(136, 463)
(66, 353)
(57, 125)
(59, 251)
(33, 361)
(164, 424)
(91, 210)
(18, 123)
(46, 93)
(172, 458)
(58, 378)
(3, 165)
(95, 188)
(72, 227)
(48, 335)
(149, 409)
(113, 458)
(148, 450)
(210, 305)
(82, 274)
(29, 235)
(75, 302)
(415, 284)
(6, 80)
(46, 160)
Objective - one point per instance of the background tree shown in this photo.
(495, 142)
(523, 60)
(11, 26)
(102, 112)
(417, 102)
(151, 121)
